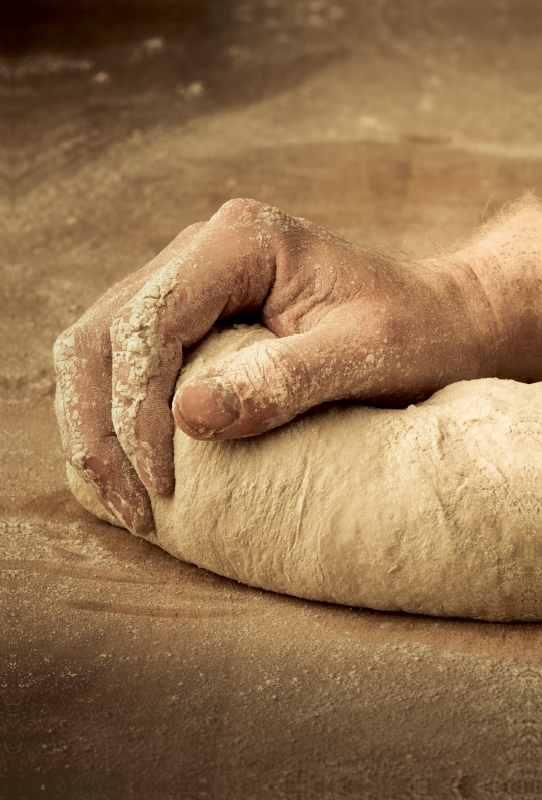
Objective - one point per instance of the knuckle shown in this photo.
(88, 464)
(240, 209)
(77, 346)
(78, 459)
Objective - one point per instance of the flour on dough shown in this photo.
(434, 509)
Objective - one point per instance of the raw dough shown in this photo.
(434, 509)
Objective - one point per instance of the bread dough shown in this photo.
(434, 509)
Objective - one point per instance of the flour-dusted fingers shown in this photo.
(82, 357)
(229, 266)
(82, 403)
(351, 323)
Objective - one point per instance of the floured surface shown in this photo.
(127, 672)
(430, 509)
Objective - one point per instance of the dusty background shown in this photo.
(125, 673)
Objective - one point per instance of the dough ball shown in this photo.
(433, 509)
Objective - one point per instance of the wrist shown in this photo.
(494, 281)
(476, 338)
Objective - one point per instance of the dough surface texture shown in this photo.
(434, 509)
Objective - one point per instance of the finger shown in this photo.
(226, 268)
(82, 357)
(271, 382)
(88, 437)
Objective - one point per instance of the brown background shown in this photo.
(125, 673)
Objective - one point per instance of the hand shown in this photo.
(352, 324)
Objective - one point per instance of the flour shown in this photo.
(134, 337)
(432, 509)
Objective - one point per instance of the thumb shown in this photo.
(265, 385)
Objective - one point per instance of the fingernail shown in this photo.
(212, 405)
(119, 508)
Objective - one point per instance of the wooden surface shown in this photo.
(126, 673)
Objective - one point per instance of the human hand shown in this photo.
(352, 324)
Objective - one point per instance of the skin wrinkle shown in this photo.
(487, 301)
(517, 267)
(319, 300)
(498, 261)
(457, 290)
(245, 293)
(307, 285)
(298, 386)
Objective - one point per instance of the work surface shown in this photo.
(126, 673)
